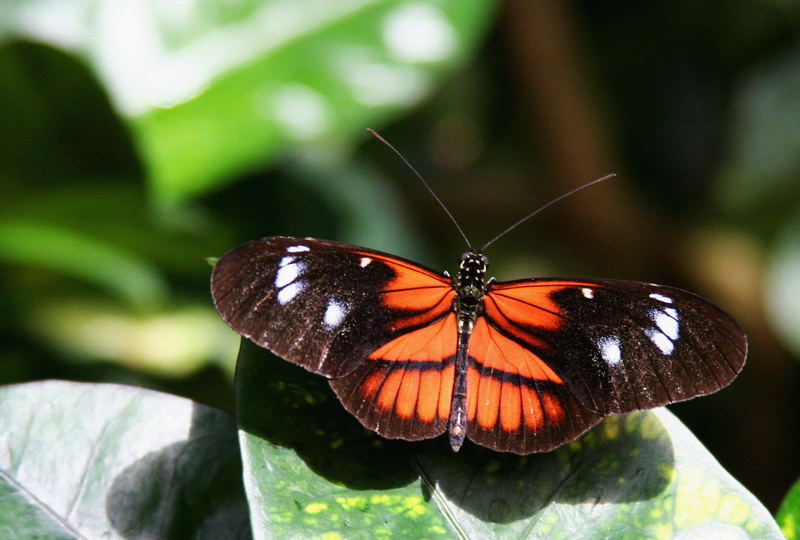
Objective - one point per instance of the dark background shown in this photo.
(693, 105)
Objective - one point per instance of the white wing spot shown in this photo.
(363, 262)
(298, 249)
(660, 298)
(587, 293)
(609, 349)
(288, 293)
(334, 313)
(667, 322)
(660, 340)
(288, 271)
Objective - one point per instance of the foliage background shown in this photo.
(110, 200)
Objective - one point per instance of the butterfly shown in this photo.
(519, 366)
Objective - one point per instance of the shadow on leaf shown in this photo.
(625, 458)
(288, 406)
(191, 488)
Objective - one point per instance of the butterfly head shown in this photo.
(471, 274)
(473, 260)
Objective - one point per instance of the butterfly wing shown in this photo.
(515, 400)
(379, 326)
(579, 350)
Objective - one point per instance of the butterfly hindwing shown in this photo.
(379, 326)
(404, 389)
(620, 345)
(516, 401)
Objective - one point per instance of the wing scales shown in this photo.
(404, 388)
(622, 346)
(546, 360)
(515, 401)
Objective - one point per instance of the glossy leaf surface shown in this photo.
(110, 461)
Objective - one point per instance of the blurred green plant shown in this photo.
(210, 91)
(196, 95)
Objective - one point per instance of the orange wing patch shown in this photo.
(425, 294)
(532, 408)
(430, 343)
(509, 404)
(427, 287)
(404, 388)
(553, 407)
(493, 350)
(440, 302)
(528, 304)
(498, 391)
(426, 393)
(418, 384)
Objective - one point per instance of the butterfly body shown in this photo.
(521, 366)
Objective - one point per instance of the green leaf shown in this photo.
(214, 89)
(372, 213)
(109, 461)
(22, 516)
(58, 124)
(789, 513)
(57, 248)
(312, 471)
(782, 285)
(170, 343)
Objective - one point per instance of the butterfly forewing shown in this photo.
(621, 345)
(377, 325)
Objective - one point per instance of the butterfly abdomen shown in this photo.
(470, 288)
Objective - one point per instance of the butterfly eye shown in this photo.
(484, 260)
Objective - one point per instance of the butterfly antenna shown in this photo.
(425, 183)
(529, 216)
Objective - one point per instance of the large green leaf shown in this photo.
(312, 471)
(109, 461)
(789, 513)
(212, 89)
(63, 250)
